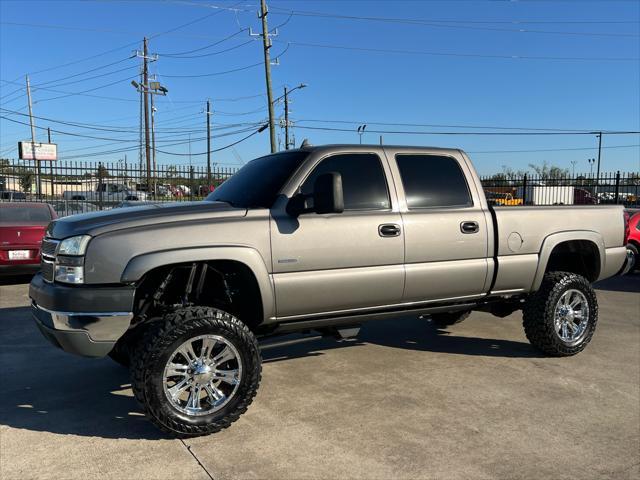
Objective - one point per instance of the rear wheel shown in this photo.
(561, 317)
(196, 371)
(449, 318)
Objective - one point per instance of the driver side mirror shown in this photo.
(327, 197)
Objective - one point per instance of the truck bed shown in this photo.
(522, 233)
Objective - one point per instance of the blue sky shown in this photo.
(455, 81)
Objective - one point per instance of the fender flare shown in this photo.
(555, 239)
(140, 265)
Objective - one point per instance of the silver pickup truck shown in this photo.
(318, 238)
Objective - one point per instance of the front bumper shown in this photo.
(629, 262)
(93, 327)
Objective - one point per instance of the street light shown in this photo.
(591, 161)
(361, 129)
(573, 168)
(287, 124)
(151, 88)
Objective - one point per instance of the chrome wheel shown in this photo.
(571, 317)
(202, 375)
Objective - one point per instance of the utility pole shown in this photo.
(208, 145)
(266, 43)
(50, 163)
(599, 154)
(153, 145)
(145, 90)
(598, 164)
(33, 139)
(141, 135)
(286, 119)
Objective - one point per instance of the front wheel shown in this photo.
(560, 318)
(196, 371)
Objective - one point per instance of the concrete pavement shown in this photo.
(405, 401)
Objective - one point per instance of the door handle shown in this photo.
(469, 227)
(389, 230)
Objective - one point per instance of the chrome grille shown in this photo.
(47, 258)
(49, 247)
(47, 270)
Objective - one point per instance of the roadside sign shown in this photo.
(43, 151)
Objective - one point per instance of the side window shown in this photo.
(363, 180)
(433, 181)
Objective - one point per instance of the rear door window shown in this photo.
(432, 181)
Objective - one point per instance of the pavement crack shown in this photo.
(196, 459)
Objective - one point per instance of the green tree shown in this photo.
(550, 173)
(26, 180)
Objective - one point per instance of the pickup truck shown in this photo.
(106, 192)
(317, 238)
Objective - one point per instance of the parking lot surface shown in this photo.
(404, 401)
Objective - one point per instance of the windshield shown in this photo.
(257, 183)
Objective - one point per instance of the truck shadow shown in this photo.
(624, 283)
(47, 390)
(409, 333)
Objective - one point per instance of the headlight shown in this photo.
(69, 266)
(74, 245)
(66, 274)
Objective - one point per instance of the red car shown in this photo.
(633, 238)
(22, 226)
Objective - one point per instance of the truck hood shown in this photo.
(97, 223)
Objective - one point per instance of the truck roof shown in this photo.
(348, 147)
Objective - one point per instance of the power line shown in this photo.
(456, 54)
(188, 52)
(449, 25)
(261, 129)
(400, 132)
(82, 73)
(92, 78)
(285, 11)
(74, 62)
(103, 97)
(182, 142)
(65, 133)
(551, 149)
(119, 81)
(199, 19)
(213, 74)
(490, 127)
(235, 47)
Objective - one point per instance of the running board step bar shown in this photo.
(354, 320)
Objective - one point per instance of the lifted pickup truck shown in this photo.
(319, 238)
